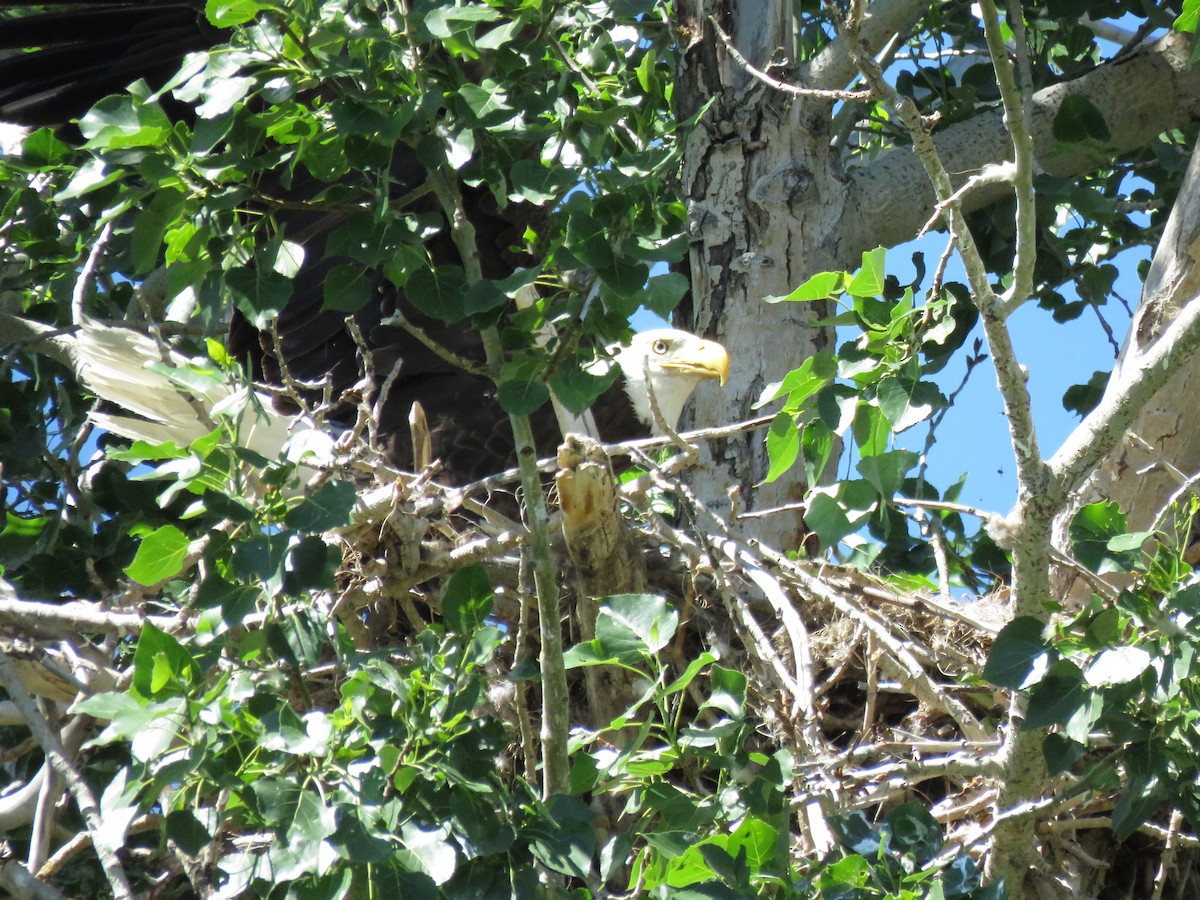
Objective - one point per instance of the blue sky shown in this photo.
(973, 438)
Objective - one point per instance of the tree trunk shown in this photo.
(764, 189)
(1158, 458)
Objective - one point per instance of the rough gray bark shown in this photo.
(771, 203)
(1149, 92)
(763, 189)
(1156, 460)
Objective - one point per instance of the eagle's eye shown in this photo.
(659, 346)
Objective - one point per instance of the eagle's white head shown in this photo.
(675, 363)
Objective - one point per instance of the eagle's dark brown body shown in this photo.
(86, 50)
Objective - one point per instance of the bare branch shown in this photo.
(85, 800)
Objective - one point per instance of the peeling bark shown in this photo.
(1151, 91)
(1158, 456)
(764, 189)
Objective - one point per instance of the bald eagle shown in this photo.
(161, 399)
(76, 53)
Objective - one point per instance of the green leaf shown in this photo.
(159, 662)
(817, 443)
(520, 398)
(689, 674)
(1189, 17)
(19, 536)
(440, 292)
(311, 565)
(42, 148)
(114, 705)
(91, 176)
(585, 774)
(1119, 665)
(356, 842)
(347, 289)
(1078, 120)
(484, 296)
(827, 519)
(260, 559)
(764, 845)
(561, 837)
(576, 387)
(802, 382)
(868, 281)
(187, 831)
(628, 627)
(445, 21)
(728, 694)
(1093, 531)
(886, 472)
(160, 556)
(914, 830)
(488, 102)
(539, 184)
(500, 36)
(476, 819)
(1019, 655)
(648, 616)
(1081, 399)
(1137, 803)
(905, 403)
(123, 122)
(871, 429)
(118, 808)
(467, 600)
(228, 13)
(323, 510)
(588, 241)
(433, 850)
(783, 446)
(260, 293)
(663, 293)
(821, 286)
(1061, 753)
(298, 638)
(1056, 697)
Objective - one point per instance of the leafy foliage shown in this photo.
(320, 695)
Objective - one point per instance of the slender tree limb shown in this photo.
(1150, 92)
(775, 83)
(49, 341)
(87, 273)
(85, 800)
(77, 616)
(555, 696)
(833, 68)
(15, 879)
(1016, 103)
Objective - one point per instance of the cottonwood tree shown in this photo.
(258, 677)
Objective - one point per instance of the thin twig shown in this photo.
(443, 353)
(85, 800)
(772, 82)
(79, 293)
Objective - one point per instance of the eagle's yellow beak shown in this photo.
(708, 359)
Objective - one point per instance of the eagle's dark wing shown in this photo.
(87, 50)
(83, 51)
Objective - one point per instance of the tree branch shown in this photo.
(1151, 91)
(85, 800)
(833, 68)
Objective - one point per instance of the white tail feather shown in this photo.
(127, 369)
